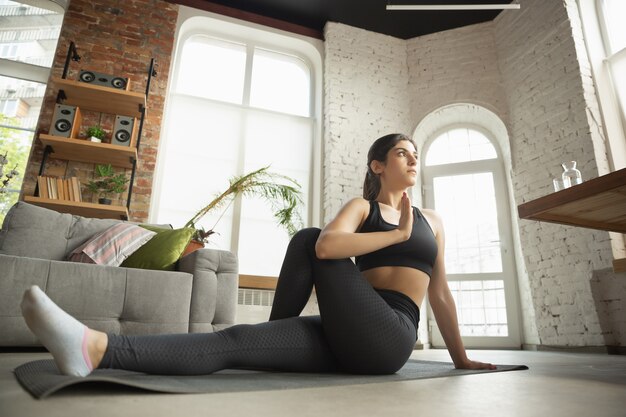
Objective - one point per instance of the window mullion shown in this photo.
(237, 205)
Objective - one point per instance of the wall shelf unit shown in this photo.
(599, 203)
(86, 151)
(81, 208)
(102, 99)
(99, 98)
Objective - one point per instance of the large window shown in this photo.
(28, 38)
(465, 184)
(614, 37)
(235, 105)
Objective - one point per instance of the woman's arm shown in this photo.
(444, 308)
(339, 238)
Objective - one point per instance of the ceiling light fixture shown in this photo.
(453, 7)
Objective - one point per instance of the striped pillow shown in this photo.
(112, 246)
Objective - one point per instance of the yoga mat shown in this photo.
(42, 378)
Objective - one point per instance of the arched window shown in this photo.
(464, 182)
(611, 18)
(236, 104)
(28, 39)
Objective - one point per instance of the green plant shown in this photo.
(106, 181)
(96, 131)
(284, 199)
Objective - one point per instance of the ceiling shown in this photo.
(369, 14)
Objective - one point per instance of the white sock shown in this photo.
(63, 335)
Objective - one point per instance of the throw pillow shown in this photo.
(162, 251)
(112, 246)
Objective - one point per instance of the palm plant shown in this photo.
(283, 198)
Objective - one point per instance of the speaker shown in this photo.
(106, 80)
(124, 131)
(65, 121)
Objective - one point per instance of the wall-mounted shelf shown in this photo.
(99, 98)
(599, 203)
(85, 151)
(81, 208)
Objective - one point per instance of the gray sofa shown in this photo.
(201, 296)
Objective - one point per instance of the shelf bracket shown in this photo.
(61, 97)
(72, 54)
(47, 150)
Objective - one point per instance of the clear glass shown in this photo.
(460, 145)
(481, 307)
(467, 204)
(614, 12)
(212, 68)
(29, 34)
(280, 82)
(18, 119)
(570, 174)
(560, 183)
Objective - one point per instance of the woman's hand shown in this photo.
(405, 225)
(469, 364)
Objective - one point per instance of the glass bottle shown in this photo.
(571, 172)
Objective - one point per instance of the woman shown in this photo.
(369, 312)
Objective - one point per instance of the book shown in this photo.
(43, 187)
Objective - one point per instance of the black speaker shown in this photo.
(106, 80)
(124, 131)
(65, 121)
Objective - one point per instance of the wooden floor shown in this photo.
(557, 384)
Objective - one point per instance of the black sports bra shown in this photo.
(418, 252)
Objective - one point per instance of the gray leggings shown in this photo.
(359, 330)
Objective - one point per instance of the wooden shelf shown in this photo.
(86, 151)
(99, 98)
(102, 211)
(599, 203)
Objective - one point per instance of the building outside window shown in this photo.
(28, 39)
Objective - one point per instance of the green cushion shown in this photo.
(162, 251)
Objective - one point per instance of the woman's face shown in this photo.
(400, 169)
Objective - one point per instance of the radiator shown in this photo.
(254, 306)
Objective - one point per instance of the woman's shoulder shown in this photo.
(434, 219)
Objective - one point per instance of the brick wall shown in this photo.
(365, 78)
(528, 69)
(114, 37)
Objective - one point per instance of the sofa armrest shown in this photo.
(215, 286)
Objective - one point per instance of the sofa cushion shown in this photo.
(112, 246)
(162, 251)
(35, 232)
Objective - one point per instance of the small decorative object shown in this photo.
(284, 199)
(571, 173)
(96, 134)
(107, 183)
(560, 183)
(9, 175)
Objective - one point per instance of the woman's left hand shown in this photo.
(469, 364)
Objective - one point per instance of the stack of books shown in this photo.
(56, 188)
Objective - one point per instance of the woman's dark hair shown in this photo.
(378, 151)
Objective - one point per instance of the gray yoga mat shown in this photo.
(42, 378)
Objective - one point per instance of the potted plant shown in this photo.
(284, 199)
(96, 133)
(106, 183)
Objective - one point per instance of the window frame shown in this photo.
(193, 22)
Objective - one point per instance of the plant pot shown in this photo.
(106, 201)
(95, 139)
(193, 246)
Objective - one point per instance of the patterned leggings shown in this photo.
(359, 330)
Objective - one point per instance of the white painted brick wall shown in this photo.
(365, 78)
(552, 107)
(525, 68)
